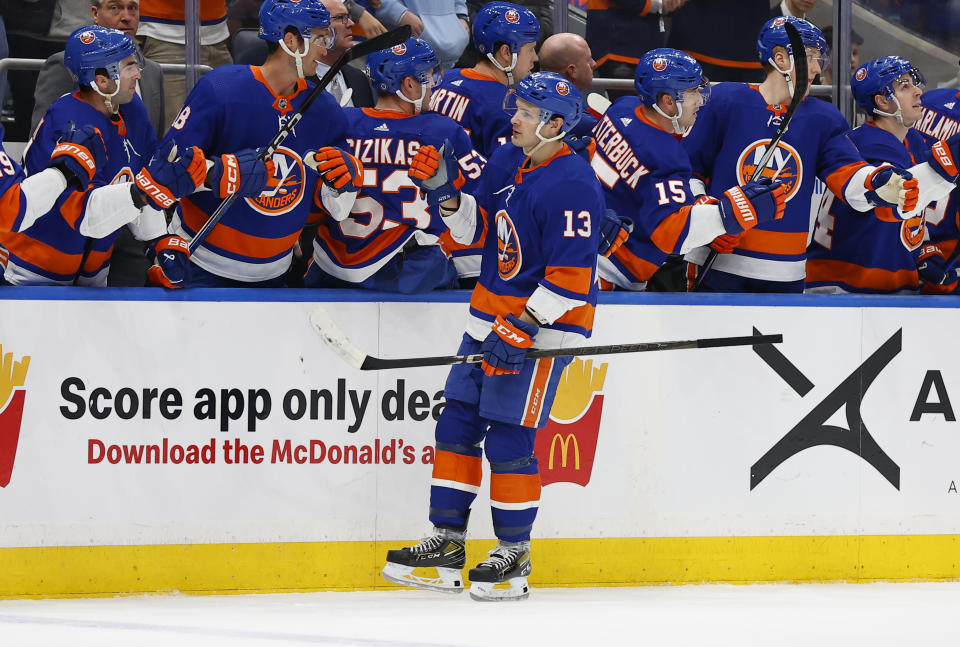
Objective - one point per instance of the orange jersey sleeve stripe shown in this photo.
(574, 279)
(50, 258)
(514, 488)
(839, 178)
(668, 232)
(234, 241)
(483, 300)
(450, 466)
(774, 242)
(9, 208)
(831, 271)
(640, 268)
(72, 208)
(365, 254)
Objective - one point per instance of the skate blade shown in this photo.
(518, 589)
(448, 580)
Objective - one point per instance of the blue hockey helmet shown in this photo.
(302, 15)
(93, 48)
(668, 71)
(553, 94)
(878, 76)
(388, 67)
(774, 33)
(504, 22)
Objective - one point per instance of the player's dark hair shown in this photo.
(273, 46)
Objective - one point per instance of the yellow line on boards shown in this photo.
(88, 571)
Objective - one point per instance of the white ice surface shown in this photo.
(820, 615)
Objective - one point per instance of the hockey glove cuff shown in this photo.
(505, 348)
(170, 256)
(584, 146)
(943, 156)
(614, 232)
(893, 188)
(242, 173)
(437, 173)
(338, 169)
(78, 154)
(744, 207)
(167, 177)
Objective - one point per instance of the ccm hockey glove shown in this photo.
(943, 156)
(436, 173)
(744, 207)
(893, 188)
(78, 154)
(241, 173)
(338, 169)
(167, 177)
(505, 348)
(170, 256)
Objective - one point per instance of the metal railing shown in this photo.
(34, 65)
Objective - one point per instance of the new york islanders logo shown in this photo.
(12, 395)
(288, 190)
(399, 50)
(779, 22)
(784, 163)
(512, 16)
(562, 88)
(861, 74)
(565, 447)
(659, 64)
(509, 254)
(87, 37)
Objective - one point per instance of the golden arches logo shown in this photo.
(565, 442)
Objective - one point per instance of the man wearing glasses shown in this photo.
(350, 87)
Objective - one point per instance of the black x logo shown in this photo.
(812, 430)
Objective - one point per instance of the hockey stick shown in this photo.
(383, 41)
(342, 346)
(799, 90)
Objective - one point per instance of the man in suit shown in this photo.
(55, 79)
(350, 80)
(128, 264)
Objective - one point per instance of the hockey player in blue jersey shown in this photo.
(941, 120)
(883, 250)
(390, 240)
(72, 243)
(731, 136)
(537, 289)
(506, 36)
(240, 108)
(647, 177)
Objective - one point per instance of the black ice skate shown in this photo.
(509, 562)
(443, 551)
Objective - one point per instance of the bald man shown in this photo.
(569, 56)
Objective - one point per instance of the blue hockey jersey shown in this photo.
(233, 108)
(872, 251)
(541, 246)
(646, 176)
(50, 251)
(475, 101)
(725, 145)
(389, 209)
(941, 120)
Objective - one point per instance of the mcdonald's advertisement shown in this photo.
(164, 422)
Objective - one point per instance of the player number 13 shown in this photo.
(582, 219)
